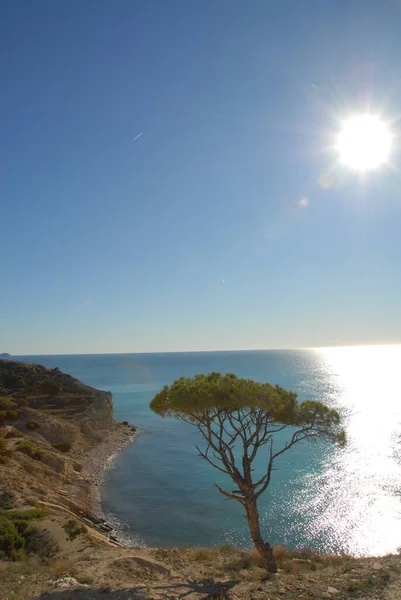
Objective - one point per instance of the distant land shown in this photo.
(4, 355)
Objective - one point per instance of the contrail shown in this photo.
(138, 136)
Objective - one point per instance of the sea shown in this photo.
(160, 492)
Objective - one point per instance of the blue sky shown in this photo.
(194, 236)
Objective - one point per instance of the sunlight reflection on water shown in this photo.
(321, 496)
(354, 504)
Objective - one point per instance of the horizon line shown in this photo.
(209, 351)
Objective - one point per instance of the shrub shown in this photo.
(32, 425)
(238, 564)
(73, 529)
(11, 541)
(63, 446)
(14, 433)
(32, 514)
(6, 403)
(12, 414)
(3, 444)
(11, 381)
(6, 498)
(41, 543)
(4, 450)
(203, 555)
(227, 549)
(30, 450)
(16, 533)
(51, 388)
(7, 409)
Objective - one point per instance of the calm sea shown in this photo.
(158, 492)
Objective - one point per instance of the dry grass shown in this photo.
(369, 583)
(203, 555)
(229, 559)
(160, 554)
(280, 552)
(15, 576)
(289, 566)
(62, 568)
(227, 549)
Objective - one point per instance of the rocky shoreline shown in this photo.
(86, 488)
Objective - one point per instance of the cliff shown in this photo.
(57, 433)
(53, 392)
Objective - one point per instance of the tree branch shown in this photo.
(205, 456)
(230, 495)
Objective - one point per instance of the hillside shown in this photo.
(58, 432)
(55, 436)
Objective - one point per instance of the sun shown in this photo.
(364, 142)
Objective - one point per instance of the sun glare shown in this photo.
(364, 142)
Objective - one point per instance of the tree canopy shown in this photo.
(202, 398)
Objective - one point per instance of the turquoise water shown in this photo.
(159, 492)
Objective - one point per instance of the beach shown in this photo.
(85, 490)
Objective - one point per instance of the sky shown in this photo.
(168, 180)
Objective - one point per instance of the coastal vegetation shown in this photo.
(73, 529)
(234, 414)
(7, 409)
(32, 424)
(62, 446)
(4, 450)
(17, 536)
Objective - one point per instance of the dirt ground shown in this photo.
(86, 569)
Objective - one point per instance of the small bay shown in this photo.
(158, 492)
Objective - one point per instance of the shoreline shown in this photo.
(97, 461)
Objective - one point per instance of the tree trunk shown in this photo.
(264, 548)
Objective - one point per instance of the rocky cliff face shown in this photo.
(56, 434)
(61, 401)
(50, 423)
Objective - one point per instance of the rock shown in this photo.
(68, 582)
(57, 463)
(302, 561)
(332, 590)
(377, 565)
(245, 574)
